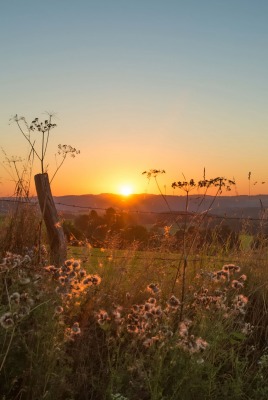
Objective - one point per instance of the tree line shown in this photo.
(97, 230)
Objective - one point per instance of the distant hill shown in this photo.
(229, 206)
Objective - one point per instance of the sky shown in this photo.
(138, 85)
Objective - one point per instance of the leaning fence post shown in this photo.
(57, 243)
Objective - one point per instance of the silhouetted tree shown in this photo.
(135, 233)
(81, 222)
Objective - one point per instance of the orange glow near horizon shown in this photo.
(75, 179)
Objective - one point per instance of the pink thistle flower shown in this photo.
(153, 288)
(236, 284)
(173, 302)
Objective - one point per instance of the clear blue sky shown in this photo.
(178, 85)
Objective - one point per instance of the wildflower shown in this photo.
(76, 329)
(82, 273)
(26, 299)
(247, 328)
(87, 281)
(240, 303)
(225, 268)
(68, 263)
(15, 297)
(133, 318)
(26, 259)
(103, 317)
(200, 344)
(67, 268)
(148, 306)
(243, 277)
(231, 268)
(117, 314)
(241, 299)
(158, 311)
(135, 308)
(75, 286)
(6, 321)
(148, 315)
(153, 288)
(76, 265)
(96, 280)
(61, 280)
(23, 312)
(173, 302)
(184, 327)
(221, 275)
(58, 310)
(236, 284)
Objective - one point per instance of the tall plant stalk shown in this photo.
(187, 187)
(42, 183)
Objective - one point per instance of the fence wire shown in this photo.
(176, 259)
(208, 258)
(167, 213)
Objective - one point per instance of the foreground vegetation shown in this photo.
(177, 312)
(128, 324)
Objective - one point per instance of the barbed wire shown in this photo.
(177, 257)
(206, 258)
(168, 213)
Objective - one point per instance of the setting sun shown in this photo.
(126, 190)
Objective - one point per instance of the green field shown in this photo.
(114, 324)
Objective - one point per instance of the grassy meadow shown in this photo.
(129, 324)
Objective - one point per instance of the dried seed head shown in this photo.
(58, 310)
(15, 297)
(173, 302)
(6, 321)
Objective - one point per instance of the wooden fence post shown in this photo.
(57, 243)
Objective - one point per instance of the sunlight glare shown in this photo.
(126, 190)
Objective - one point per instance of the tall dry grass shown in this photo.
(112, 325)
